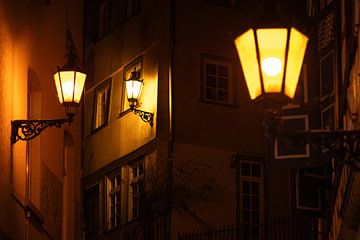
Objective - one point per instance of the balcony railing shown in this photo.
(286, 228)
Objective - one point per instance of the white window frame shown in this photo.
(298, 206)
(103, 90)
(218, 62)
(306, 154)
(137, 181)
(114, 218)
(253, 179)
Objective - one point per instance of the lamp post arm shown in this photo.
(145, 116)
(26, 130)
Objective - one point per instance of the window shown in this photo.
(138, 66)
(217, 81)
(114, 200)
(104, 18)
(102, 104)
(124, 191)
(136, 188)
(91, 212)
(286, 147)
(132, 7)
(227, 3)
(251, 185)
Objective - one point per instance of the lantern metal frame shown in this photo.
(145, 116)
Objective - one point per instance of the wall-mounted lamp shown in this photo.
(69, 82)
(133, 89)
(271, 58)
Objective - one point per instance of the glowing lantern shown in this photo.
(69, 80)
(271, 59)
(133, 88)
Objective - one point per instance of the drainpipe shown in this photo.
(171, 119)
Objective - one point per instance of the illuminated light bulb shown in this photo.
(271, 66)
(68, 89)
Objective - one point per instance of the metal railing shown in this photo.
(282, 228)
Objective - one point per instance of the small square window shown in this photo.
(226, 3)
(217, 81)
(102, 104)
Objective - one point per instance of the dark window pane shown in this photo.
(256, 170)
(118, 180)
(118, 219)
(141, 168)
(211, 68)
(245, 169)
(134, 169)
(255, 218)
(223, 83)
(255, 188)
(246, 187)
(223, 71)
(255, 202)
(246, 202)
(246, 231)
(211, 81)
(211, 94)
(246, 216)
(255, 232)
(223, 95)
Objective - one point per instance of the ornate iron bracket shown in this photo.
(29, 129)
(145, 116)
(342, 145)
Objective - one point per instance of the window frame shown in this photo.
(114, 191)
(252, 179)
(218, 61)
(134, 11)
(105, 86)
(231, 4)
(277, 143)
(104, 29)
(139, 182)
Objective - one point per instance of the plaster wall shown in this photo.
(33, 43)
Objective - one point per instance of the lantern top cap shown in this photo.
(135, 75)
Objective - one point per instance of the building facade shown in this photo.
(206, 161)
(39, 179)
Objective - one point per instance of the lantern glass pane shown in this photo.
(246, 48)
(272, 48)
(297, 48)
(58, 87)
(133, 89)
(67, 85)
(79, 86)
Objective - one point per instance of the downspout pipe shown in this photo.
(171, 118)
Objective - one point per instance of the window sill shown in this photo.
(232, 105)
(98, 129)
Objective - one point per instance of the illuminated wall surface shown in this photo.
(40, 176)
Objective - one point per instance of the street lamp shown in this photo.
(134, 86)
(69, 82)
(271, 58)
